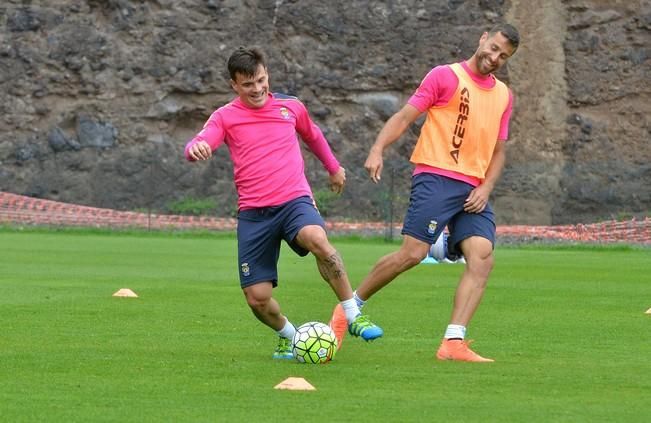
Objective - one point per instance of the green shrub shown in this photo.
(193, 206)
(324, 199)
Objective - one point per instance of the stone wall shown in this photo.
(98, 97)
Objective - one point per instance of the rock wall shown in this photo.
(99, 97)
(582, 139)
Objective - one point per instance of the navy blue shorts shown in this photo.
(260, 232)
(436, 202)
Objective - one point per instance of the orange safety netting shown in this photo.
(19, 209)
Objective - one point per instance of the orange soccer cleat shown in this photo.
(458, 350)
(339, 324)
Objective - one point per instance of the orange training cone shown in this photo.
(295, 384)
(125, 292)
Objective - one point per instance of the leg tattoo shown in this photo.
(331, 268)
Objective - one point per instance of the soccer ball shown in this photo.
(439, 250)
(314, 342)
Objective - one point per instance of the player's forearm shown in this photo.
(391, 132)
(496, 166)
(321, 149)
(395, 127)
(212, 134)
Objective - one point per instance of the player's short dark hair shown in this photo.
(245, 61)
(509, 32)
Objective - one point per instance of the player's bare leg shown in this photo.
(478, 252)
(384, 271)
(267, 310)
(263, 305)
(411, 252)
(479, 263)
(328, 260)
(331, 268)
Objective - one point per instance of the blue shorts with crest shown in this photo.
(260, 232)
(436, 202)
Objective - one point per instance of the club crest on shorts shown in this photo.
(315, 207)
(432, 227)
(246, 271)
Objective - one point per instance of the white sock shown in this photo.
(351, 309)
(359, 301)
(288, 330)
(455, 331)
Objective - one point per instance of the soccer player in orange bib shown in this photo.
(458, 159)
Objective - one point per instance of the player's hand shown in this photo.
(477, 200)
(338, 180)
(200, 151)
(374, 164)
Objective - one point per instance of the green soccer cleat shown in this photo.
(362, 326)
(283, 350)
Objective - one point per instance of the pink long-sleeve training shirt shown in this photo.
(268, 165)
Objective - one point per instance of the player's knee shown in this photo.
(481, 264)
(323, 250)
(316, 242)
(257, 301)
(257, 305)
(412, 257)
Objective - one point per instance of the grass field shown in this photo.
(566, 326)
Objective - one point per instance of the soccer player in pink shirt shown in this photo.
(458, 159)
(275, 201)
